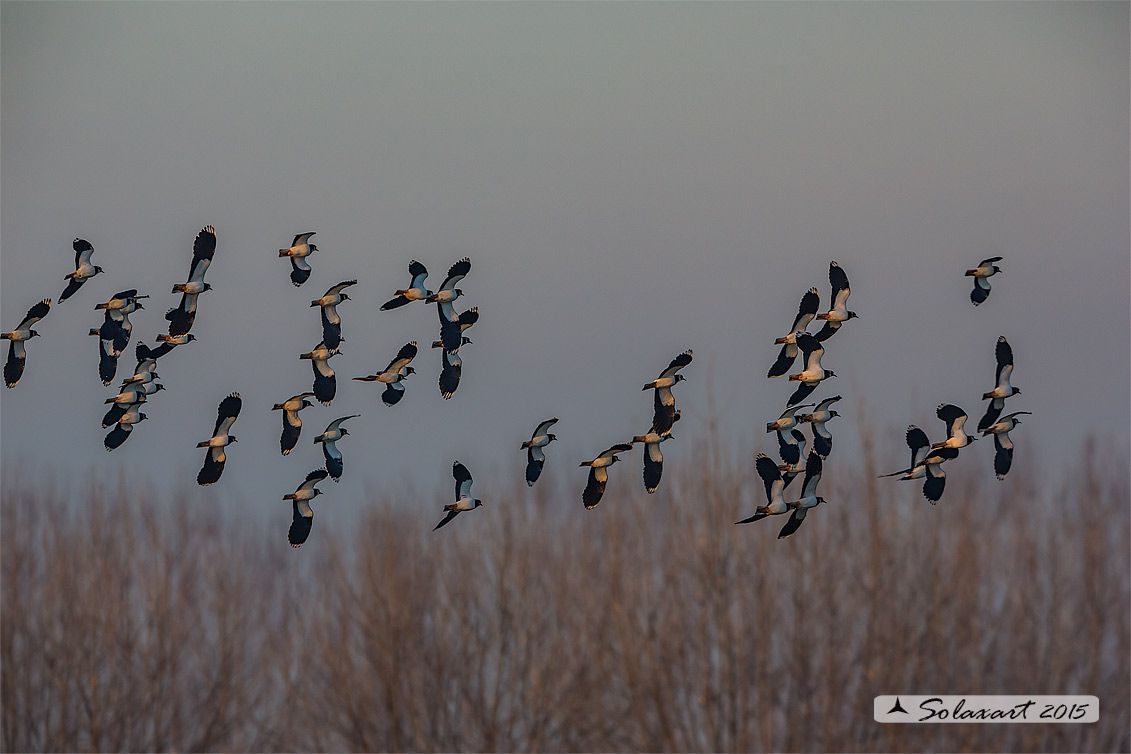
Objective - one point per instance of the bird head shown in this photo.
(820, 500)
(680, 378)
(207, 287)
(552, 437)
(306, 403)
(1016, 391)
(189, 337)
(477, 504)
(313, 248)
(829, 373)
(97, 270)
(833, 413)
(409, 370)
(158, 387)
(137, 305)
(232, 438)
(344, 296)
(344, 431)
(853, 315)
(33, 333)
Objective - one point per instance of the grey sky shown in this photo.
(629, 179)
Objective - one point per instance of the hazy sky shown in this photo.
(629, 180)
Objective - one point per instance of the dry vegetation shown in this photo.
(532, 625)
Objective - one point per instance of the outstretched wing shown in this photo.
(450, 374)
(456, 273)
(678, 363)
(793, 524)
(451, 514)
(226, 413)
(36, 313)
(301, 523)
(595, 487)
(419, 274)
(403, 357)
(203, 250)
(463, 480)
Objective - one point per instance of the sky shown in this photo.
(629, 180)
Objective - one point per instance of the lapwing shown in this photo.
(450, 372)
(331, 322)
(793, 447)
(783, 426)
(303, 513)
(806, 311)
(393, 374)
(664, 399)
(464, 500)
(838, 314)
(954, 418)
(292, 422)
(775, 486)
(415, 291)
(448, 291)
(926, 463)
(822, 438)
(124, 426)
(131, 394)
(203, 249)
(1002, 390)
(325, 383)
(809, 498)
(214, 458)
(653, 457)
(84, 270)
(599, 474)
(814, 373)
(981, 274)
(465, 320)
(334, 431)
(14, 366)
(299, 250)
(1003, 445)
(535, 456)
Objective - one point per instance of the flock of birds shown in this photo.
(125, 407)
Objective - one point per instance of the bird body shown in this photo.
(448, 292)
(653, 458)
(664, 411)
(298, 251)
(334, 431)
(981, 274)
(775, 487)
(599, 475)
(17, 354)
(415, 291)
(464, 500)
(838, 314)
(394, 374)
(822, 438)
(214, 459)
(535, 457)
(1003, 444)
(955, 418)
(303, 517)
(809, 497)
(84, 270)
(292, 422)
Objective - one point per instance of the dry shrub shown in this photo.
(650, 623)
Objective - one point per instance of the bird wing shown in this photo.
(954, 417)
(300, 270)
(618, 448)
(14, 366)
(83, 250)
(213, 467)
(117, 436)
(543, 427)
(919, 443)
(325, 384)
(678, 363)
(451, 514)
(72, 286)
(793, 524)
(336, 290)
(403, 357)
(419, 274)
(203, 250)
(989, 261)
(450, 373)
(653, 466)
(226, 414)
(337, 423)
(839, 282)
(300, 524)
(807, 310)
(456, 273)
(771, 476)
(463, 480)
(36, 313)
(311, 480)
(594, 487)
(784, 361)
(803, 391)
(1003, 454)
(1004, 356)
(813, 468)
(302, 238)
(468, 318)
(788, 448)
(535, 459)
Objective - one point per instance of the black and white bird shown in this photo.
(325, 383)
(535, 457)
(124, 426)
(116, 326)
(653, 457)
(334, 431)
(926, 463)
(981, 274)
(783, 426)
(415, 291)
(146, 369)
(956, 436)
(814, 373)
(806, 311)
(775, 487)
(292, 422)
(84, 270)
(331, 321)
(394, 374)
(838, 314)
(1003, 445)
(465, 320)
(1002, 390)
(203, 249)
(809, 497)
(664, 400)
(183, 315)
(448, 291)
(464, 500)
(136, 392)
(599, 473)
(796, 447)
(299, 250)
(17, 355)
(303, 513)
(822, 438)
(215, 457)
